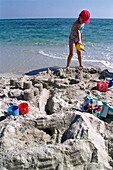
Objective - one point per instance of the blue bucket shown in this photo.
(13, 110)
(110, 83)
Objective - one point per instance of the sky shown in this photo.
(13, 9)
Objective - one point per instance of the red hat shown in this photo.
(86, 15)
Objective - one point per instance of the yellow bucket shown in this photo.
(80, 47)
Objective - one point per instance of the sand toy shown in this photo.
(13, 110)
(80, 47)
(103, 87)
(23, 108)
(110, 83)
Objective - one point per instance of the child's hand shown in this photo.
(79, 42)
(79, 47)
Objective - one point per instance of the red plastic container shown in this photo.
(23, 108)
(103, 87)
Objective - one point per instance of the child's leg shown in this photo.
(80, 58)
(71, 52)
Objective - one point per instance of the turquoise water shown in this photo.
(35, 43)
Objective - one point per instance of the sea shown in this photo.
(34, 44)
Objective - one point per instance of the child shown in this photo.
(76, 36)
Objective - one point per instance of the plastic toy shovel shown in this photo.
(80, 47)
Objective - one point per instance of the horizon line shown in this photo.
(52, 18)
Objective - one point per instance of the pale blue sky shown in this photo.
(54, 8)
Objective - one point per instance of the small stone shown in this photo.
(36, 91)
(39, 86)
(78, 76)
(19, 84)
(12, 82)
(86, 76)
(27, 85)
(28, 94)
(93, 71)
(49, 71)
(73, 81)
(15, 93)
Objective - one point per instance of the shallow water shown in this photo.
(29, 44)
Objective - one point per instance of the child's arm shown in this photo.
(82, 37)
(80, 40)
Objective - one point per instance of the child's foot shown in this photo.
(67, 68)
(82, 66)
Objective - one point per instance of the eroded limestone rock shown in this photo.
(55, 134)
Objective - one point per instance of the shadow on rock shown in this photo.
(35, 72)
(2, 118)
(67, 134)
(106, 74)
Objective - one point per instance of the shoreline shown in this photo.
(32, 72)
(22, 62)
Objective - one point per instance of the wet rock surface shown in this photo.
(55, 134)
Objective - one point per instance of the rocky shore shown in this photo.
(55, 134)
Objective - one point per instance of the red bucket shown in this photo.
(23, 108)
(103, 87)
